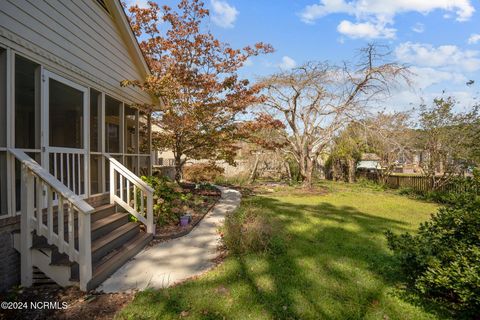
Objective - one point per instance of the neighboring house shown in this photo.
(369, 162)
(66, 128)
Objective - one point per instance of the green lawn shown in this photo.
(333, 264)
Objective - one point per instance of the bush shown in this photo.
(443, 260)
(167, 195)
(247, 230)
(367, 183)
(202, 172)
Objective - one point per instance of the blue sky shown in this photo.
(439, 39)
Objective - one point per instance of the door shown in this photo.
(65, 131)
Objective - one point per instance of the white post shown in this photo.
(85, 249)
(112, 182)
(26, 266)
(150, 223)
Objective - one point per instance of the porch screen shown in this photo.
(112, 125)
(66, 116)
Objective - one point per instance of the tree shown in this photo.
(445, 138)
(316, 100)
(389, 136)
(195, 76)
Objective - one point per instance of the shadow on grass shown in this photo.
(326, 262)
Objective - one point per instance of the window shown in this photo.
(112, 125)
(27, 106)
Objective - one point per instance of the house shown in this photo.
(369, 162)
(72, 142)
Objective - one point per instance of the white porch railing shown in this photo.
(69, 166)
(38, 190)
(131, 193)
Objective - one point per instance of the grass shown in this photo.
(329, 261)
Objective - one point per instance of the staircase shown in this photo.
(115, 240)
(80, 242)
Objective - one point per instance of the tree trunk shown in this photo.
(253, 173)
(351, 171)
(178, 169)
(334, 170)
(289, 173)
(308, 179)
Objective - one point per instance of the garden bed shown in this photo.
(200, 201)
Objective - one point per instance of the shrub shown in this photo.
(202, 172)
(167, 195)
(442, 261)
(247, 230)
(367, 183)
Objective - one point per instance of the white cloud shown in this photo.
(287, 63)
(474, 38)
(425, 77)
(139, 3)
(386, 9)
(380, 14)
(418, 27)
(366, 30)
(447, 57)
(315, 11)
(224, 14)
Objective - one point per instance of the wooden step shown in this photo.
(103, 212)
(102, 245)
(113, 240)
(106, 225)
(110, 263)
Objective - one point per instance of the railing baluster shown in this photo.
(142, 198)
(71, 231)
(79, 174)
(128, 191)
(39, 206)
(135, 206)
(55, 165)
(49, 214)
(74, 180)
(61, 169)
(61, 241)
(67, 157)
(121, 186)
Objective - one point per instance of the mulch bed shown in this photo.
(70, 303)
(172, 231)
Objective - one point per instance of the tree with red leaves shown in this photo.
(195, 76)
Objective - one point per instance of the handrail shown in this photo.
(123, 185)
(38, 188)
(129, 174)
(48, 178)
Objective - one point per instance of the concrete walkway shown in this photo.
(170, 262)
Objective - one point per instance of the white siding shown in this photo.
(79, 34)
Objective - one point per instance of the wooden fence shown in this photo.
(416, 183)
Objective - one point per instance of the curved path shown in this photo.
(170, 262)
